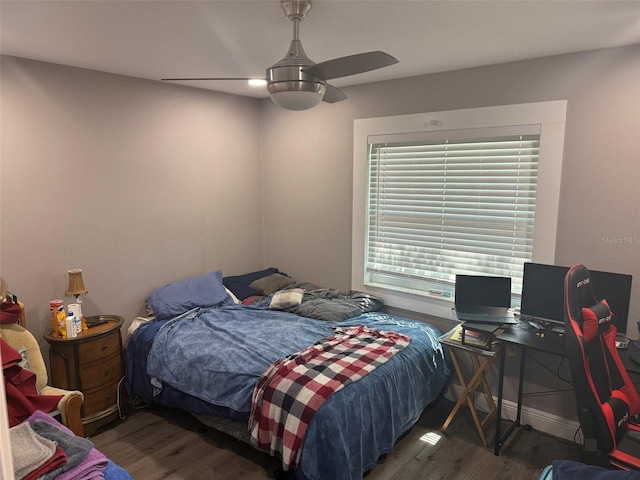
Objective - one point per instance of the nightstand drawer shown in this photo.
(99, 349)
(107, 371)
(100, 399)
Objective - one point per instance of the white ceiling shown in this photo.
(158, 39)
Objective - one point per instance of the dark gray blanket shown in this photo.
(334, 305)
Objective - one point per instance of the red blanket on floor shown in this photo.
(20, 388)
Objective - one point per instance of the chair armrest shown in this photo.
(69, 407)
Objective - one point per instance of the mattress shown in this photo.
(207, 362)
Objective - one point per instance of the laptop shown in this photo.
(483, 299)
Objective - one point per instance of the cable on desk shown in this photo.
(547, 392)
(570, 382)
(556, 373)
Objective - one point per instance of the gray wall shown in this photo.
(138, 183)
(308, 159)
(141, 183)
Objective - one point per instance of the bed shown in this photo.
(206, 356)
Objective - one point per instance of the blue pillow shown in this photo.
(239, 284)
(179, 297)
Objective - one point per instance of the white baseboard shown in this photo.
(541, 421)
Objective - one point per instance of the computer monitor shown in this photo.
(543, 293)
(616, 289)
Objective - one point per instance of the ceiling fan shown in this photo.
(298, 83)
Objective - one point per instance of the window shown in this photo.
(468, 191)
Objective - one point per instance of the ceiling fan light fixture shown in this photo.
(296, 100)
(295, 94)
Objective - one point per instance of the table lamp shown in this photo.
(75, 289)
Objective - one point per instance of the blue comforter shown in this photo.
(216, 356)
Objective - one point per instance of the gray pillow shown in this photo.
(271, 283)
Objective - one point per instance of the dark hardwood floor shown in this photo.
(157, 443)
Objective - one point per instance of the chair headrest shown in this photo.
(596, 319)
(579, 292)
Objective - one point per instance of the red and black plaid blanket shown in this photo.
(293, 388)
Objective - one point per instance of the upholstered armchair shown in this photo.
(21, 340)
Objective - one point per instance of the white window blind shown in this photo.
(462, 203)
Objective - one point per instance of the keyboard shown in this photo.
(481, 318)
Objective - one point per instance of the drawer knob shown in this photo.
(104, 347)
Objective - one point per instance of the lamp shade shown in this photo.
(76, 284)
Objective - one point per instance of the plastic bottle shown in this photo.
(71, 325)
(76, 308)
(77, 320)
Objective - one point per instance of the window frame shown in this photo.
(549, 116)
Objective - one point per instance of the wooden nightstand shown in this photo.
(92, 362)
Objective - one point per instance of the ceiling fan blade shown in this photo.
(351, 65)
(333, 95)
(208, 78)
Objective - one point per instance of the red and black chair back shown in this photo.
(606, 398)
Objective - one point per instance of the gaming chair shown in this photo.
(606, 398)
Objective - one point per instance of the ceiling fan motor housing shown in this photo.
(302, 90)
(288, 76)
(291, 78)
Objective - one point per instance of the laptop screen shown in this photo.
(483, 291)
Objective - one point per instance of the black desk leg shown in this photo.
(497, 441)
(523, 354)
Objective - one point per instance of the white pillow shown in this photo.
(286, 298)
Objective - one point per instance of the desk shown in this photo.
(482, 360)
(523, 338)
(528, 338)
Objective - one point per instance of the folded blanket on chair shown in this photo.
(10, 312)
(20, 388)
